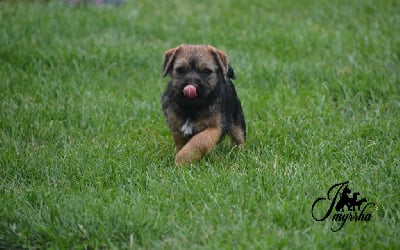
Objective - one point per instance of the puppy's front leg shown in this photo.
(179, 140)
(199, 145)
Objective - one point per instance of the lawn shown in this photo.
(87, 161)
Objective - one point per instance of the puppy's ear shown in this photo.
(222, 60)
(169, 58)
(231, 73)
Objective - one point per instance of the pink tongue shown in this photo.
(190, 91)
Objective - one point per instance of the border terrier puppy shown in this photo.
(200, 104)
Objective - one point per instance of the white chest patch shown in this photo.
(187, 128)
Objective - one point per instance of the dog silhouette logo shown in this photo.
(346, 206)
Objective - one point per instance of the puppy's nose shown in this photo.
(190, 91)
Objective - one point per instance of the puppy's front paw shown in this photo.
(186, 156)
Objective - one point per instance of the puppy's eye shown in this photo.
(180, 70)
(206, 71)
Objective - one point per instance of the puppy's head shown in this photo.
(196, 70)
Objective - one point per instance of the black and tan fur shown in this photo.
(198, 123)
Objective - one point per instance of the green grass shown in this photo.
(86, 159)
